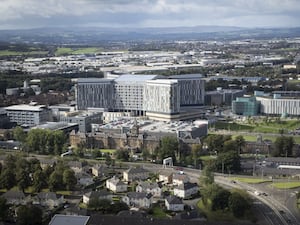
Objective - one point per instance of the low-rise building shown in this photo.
(152, 188)
(180, 178)
(103, 194)
(186, 190)
(116, 185)
(133, 174)
(48, 199)
(15, 197)
(138, 199)
(173, 203)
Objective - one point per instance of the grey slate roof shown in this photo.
(174, 200)
(187, 186)
(138, 195)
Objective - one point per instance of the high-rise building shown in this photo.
(141, 94)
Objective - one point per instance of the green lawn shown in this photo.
(260, 126)
(76, 51)
(207, 158)
(110, 151)
(159, 213)
(250, 180)
(14, 53)
(286, 185)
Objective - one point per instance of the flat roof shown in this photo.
(23, 107)
(69, 220)
(135, 78)
(162, 81)
(186, 76)
(93, 80)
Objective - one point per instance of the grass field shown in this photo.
(15, 53)
(77, 51)
(260, 126)
(159, 213)
(250, 180)
(110, 151)
(286, 185)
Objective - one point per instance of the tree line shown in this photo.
(41, 141)
(23, 173)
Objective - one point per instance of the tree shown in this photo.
(22, 174)
(230, 145)
(238, 204)
(19, 134)
(196, 149)
(7, 178)
(122, 155)
(168, 148)
(240, 142)
(4, 209)
(39, 180)
(69, 179)
(228, 162)
(219, 199)
(108, 159)
(55, 181)
(207, 175)
(29, 215)
(283, 146)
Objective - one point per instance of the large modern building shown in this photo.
(279, 106)
(151, 95)
(246, 106)
(28, 115)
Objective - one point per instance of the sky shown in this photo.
(23, 14)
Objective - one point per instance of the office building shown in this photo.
(28, 115)
(246, 106)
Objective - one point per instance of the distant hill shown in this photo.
(94, 35)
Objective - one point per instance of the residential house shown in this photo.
(48, 199)
(173, 203)
(98, 170)
(116, 185)
(180, 178)
(138, 173)
(147, 187)
(165, 177)
(138, 199)
(15, 197)
(186, 190)
(84, 179)
(103, 194)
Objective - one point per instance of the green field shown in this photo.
(158, 212)
(76, 51)
(259, 126)
(250, 180)
(286, 185)
(15, 53)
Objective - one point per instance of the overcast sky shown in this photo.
(148, 13)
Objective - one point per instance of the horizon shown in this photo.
(136, 14)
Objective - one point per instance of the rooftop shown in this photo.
(69, 220)
(23, 107)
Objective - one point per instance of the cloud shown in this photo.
(32, 13)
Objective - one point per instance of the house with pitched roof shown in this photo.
(102, 194)
(137, 173)
(173, 203)
(186, 190)
(180, 178)
(138, 199)
(15, 197)
(48, 199)
(147, 187)
(116, 185)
